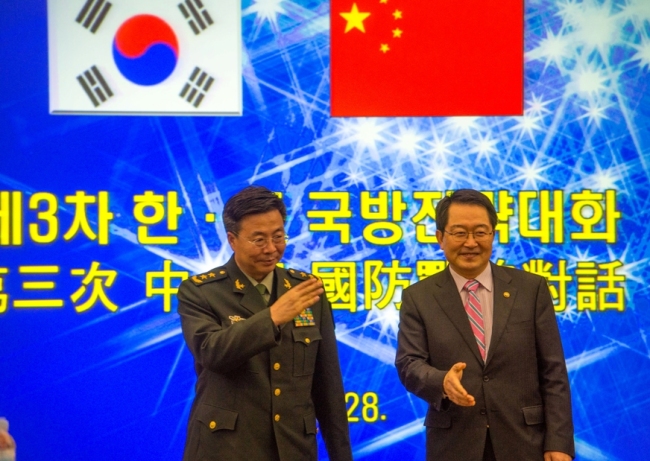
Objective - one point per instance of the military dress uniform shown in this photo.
(260, 389)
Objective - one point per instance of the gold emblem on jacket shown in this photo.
(235, 318)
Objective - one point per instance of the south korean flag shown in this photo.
(145, 57)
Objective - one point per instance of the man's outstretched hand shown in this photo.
(454, 389)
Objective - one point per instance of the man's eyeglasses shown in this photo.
(461, 236)
(261, 242)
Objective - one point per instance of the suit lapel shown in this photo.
(504, 295)
(451, 303)
(250, 297)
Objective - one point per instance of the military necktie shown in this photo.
(263, 291)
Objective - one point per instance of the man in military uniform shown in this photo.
(264, 348)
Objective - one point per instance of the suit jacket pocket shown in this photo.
(534, 415)
(305, 350)
(441, 420)
(215, 418)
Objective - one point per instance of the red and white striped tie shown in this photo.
(475, 314)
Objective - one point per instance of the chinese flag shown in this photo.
(392, 58)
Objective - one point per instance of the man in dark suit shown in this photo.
(264, 348)
(480, 344)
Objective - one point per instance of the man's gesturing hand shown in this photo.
(556, 456)
(296, 300)
(454, 390)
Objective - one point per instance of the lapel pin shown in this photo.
(506, 294)
(239, 285)
(287, 285)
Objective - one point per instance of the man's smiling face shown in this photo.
(470, 257)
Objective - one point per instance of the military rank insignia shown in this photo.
(305, 319)
(212, 276)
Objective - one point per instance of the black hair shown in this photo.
(466, 197)
(248, 201)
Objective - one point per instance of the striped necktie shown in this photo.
(475, 314)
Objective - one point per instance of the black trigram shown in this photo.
(95, 86)
(93, 13)
(196, 88)
(195, 13)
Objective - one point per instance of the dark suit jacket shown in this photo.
(258, 395)
(522, 392)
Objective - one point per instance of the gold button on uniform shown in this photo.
(276, 366)
(277, 418)
(277, 392)
(213, 424)
(307, 340)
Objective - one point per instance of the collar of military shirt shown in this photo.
(264, 286)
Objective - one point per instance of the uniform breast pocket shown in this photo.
(305, 350)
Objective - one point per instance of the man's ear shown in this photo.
(439, 235)
(231, 239)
